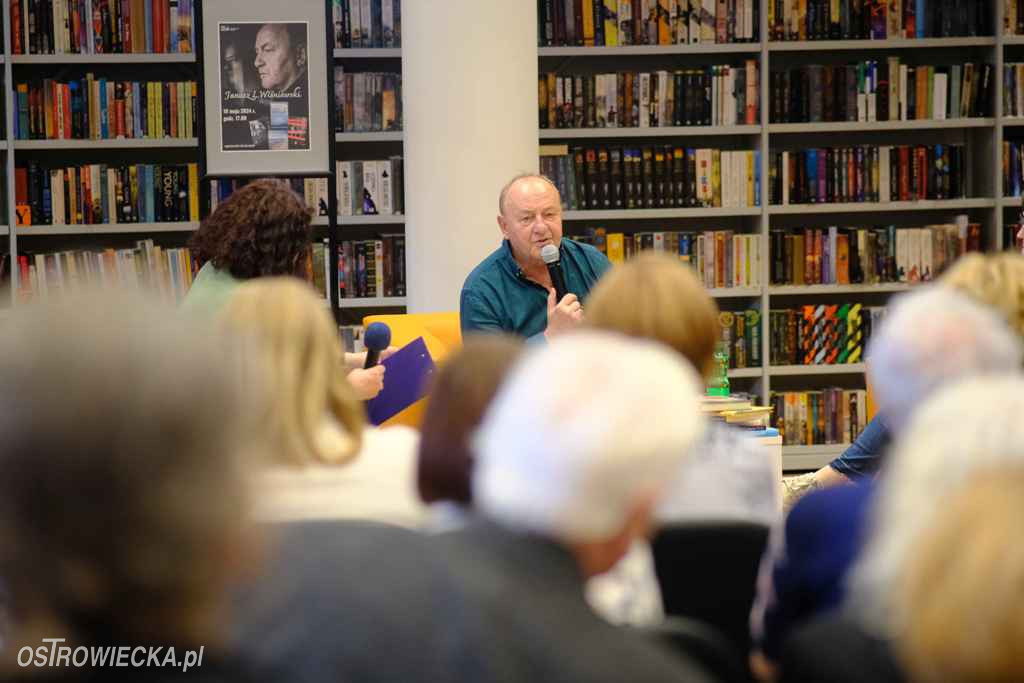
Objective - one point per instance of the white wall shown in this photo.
(469, 81)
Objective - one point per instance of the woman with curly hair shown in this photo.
(262, 229)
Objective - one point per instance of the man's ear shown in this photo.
(502, 226)
(300, 56)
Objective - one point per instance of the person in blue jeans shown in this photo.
(864, 455)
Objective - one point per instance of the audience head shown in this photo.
(993, 280)
(575, 447)
(929, 338)
(530, 216)
(122, 499)
(263, 228)
(461, 391)
(655, 296)
(315, 416)
(964, 585)
(972, 426)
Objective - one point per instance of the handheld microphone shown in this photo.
(376, 339)
(549, 253)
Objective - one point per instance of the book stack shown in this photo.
(720, 95)
(367, 101)
(101, 26)
(93, 108)
(821, 334)
(97, 193)
(876, 90)
(596, 23)
(652, 177)
(877, 19)
(867, 173)
(49, 276)
(367, 23)
(824, 256)
(737, 410)
(372, 268)
(828, 416)
(371, 187)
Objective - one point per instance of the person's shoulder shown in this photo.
(486, 270)
(837, 506)
(590, 251)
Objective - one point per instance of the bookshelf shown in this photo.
(981, 136)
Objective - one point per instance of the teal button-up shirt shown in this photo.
(498, 297)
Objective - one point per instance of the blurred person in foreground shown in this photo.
(992, 280)
(569, 466)
(460, 394)
(916, 603)
(123, 499)
(326, 462)
(967, 569)
(930, 338)
(261, 230)
(728, 476)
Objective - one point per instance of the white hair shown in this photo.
(970, 426)
(928, 338)
(574, 439)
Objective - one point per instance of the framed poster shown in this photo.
(265, 87)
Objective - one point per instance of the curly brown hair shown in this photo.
(263, 228)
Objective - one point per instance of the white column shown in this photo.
(469, 96)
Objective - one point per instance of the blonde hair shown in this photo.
(656, 297)
(964, 584)
(315, 416)
(993, 280)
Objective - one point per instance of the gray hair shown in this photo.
(567, 454)
(122, 435)
(516, 179)
(931, 337)
(968, 427)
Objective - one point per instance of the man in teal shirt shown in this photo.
(511, 290)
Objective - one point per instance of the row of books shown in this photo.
(367, 101)
(1013, 88)
(877, 90)
(1013, 17)
(721, 258)
(1013, 168)
(741, 331)
(867, 173)
(813, 418)
(97, 109)
(720, 95)
(47, 276)
(825, 256)
(591, 23)
(371, 268)
(101, 26)
(367, 23)
(371, 187)
(312, 190)
(821, 334)
(877, 19)
(652, 177)
(98, 193)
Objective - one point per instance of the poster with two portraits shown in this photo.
(265, 87)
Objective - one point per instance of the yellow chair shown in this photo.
(441, 333)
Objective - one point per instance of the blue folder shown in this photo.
(406, 380)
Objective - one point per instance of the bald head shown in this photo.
(518, 182)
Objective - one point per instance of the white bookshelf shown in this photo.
(368, 53)
(863, 126)
(810, 457)
(106, 228)
(372, 136)
(108, 58)
(372, 302)
(737, 373)
(802, 290)
(734, 292)
(633, 50)
(816, 370)
(4, 230)
(643, 214)
(111, 143)
(888, 44)
(653, 132)
(372, 219)
(953, 205)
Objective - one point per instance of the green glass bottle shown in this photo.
(718, 382)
